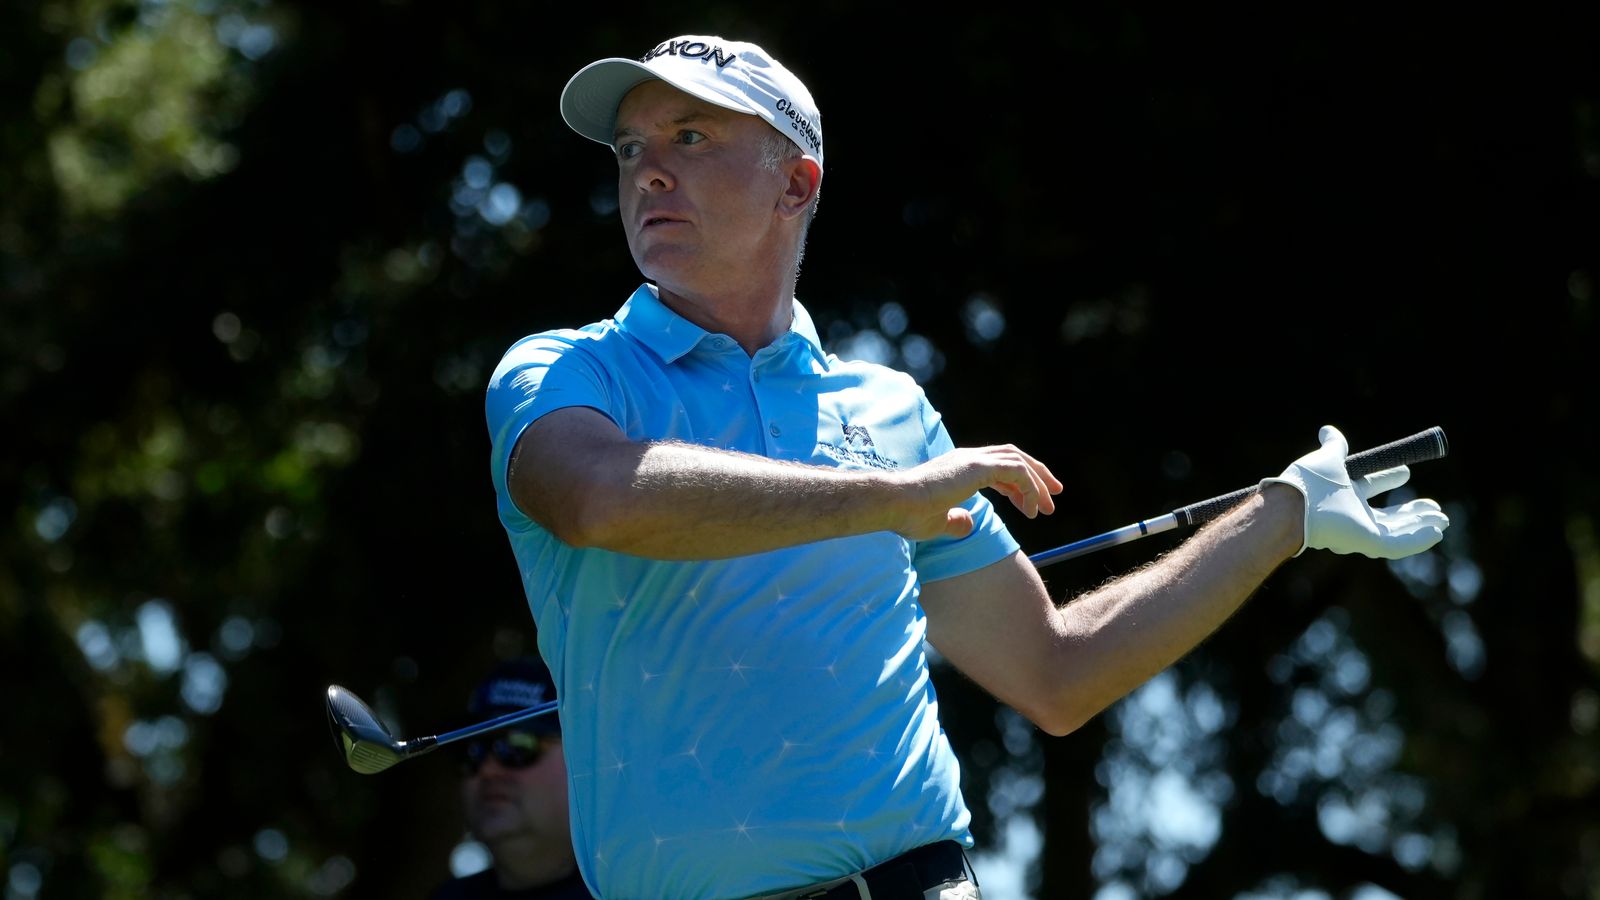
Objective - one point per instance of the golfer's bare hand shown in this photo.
(934, 491)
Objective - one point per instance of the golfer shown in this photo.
(735, 544)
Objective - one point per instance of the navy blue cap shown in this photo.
(516, 684)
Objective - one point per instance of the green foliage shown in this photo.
(141, 101)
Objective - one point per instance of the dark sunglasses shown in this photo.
(513, 750)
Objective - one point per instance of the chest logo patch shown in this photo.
(857, 448)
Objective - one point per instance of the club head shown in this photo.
(367, 745)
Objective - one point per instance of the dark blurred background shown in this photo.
(258, 258)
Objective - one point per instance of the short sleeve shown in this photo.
(989, 542)
(537, 376)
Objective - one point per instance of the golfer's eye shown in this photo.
(629, 149)
(691, 137)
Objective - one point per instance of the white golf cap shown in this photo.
(733, 74)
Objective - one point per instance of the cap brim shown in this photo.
(589, 101)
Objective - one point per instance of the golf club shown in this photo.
(1420, 447)
(368, 747)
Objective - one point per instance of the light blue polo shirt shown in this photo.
(741, 726)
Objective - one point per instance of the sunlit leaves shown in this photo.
(144, 99)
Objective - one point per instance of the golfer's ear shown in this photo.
(804, 178)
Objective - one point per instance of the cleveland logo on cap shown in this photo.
(693, 50)
(800, 124)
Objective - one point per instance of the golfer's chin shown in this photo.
(665, 263)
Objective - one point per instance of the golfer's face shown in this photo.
(695, 199)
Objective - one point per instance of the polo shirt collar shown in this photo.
(670, 335)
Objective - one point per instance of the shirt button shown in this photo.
(775, 430)
(719, 343)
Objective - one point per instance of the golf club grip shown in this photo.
(1420, 447)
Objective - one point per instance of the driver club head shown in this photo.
(367, 746)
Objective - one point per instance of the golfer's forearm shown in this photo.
(1119, 636)
(681, 501)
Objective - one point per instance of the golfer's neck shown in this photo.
(753, 317)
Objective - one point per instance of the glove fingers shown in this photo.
(1386, 480)
(1327, 462)
(1398, 546)
(1411, 518)
(1330, 435)
(1410, 508)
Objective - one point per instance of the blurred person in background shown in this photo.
(514, 794)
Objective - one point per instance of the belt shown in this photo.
(905, 877)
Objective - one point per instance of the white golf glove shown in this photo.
(1339, 516)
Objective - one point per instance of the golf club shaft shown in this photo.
(1420, 447)
(421, 745)
(488, 725)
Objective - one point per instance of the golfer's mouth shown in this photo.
(652, 221)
